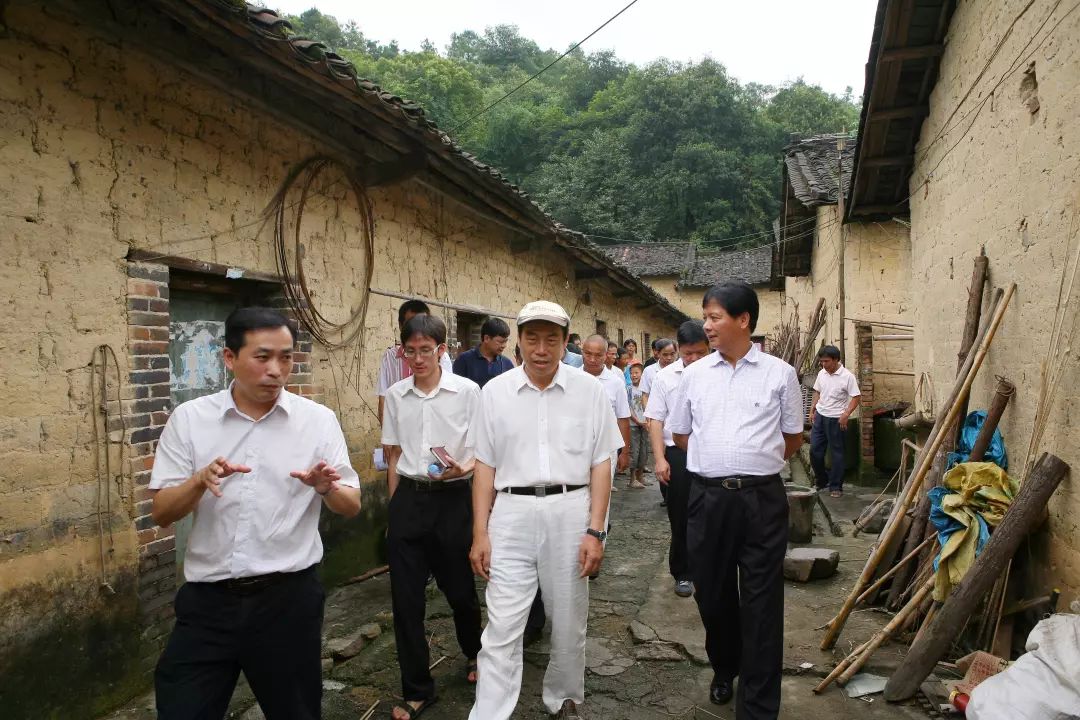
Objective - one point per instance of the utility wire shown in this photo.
(544, 69)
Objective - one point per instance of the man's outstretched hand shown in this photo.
(322, 477)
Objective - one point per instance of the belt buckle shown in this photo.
(731, 484)
(541, 491)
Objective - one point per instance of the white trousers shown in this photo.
(534, 541)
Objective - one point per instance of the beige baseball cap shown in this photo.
(543, 310)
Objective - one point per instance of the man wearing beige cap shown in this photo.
(543, 435)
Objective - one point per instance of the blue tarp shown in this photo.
(972, 425)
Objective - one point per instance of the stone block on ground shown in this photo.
(808, 563)
(343, 648)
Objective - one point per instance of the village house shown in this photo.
(969, 126)
(861, 271)
(140, 143)
(682, 272)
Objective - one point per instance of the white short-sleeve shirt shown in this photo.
(663, 388)
(614, 383)
(544, 437)
(265, 521)
(416, 422)
(393, 369)
(836, 391)
(647, 376)
(736, 417)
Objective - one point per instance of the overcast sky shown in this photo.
(765, 41)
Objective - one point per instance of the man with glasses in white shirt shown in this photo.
(430, 513)
(544, 437)
(255, 464)
(738, 414)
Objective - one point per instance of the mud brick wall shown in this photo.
(1007, 179)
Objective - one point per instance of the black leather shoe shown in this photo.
(720, 691)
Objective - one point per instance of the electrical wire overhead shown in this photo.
(544, 69)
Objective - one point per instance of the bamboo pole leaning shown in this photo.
(937, 437)
(1023, 514)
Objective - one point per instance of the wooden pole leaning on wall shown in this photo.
(923, 462)
(1022, 516)
(1002, 395)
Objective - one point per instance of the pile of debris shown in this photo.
(957, 601)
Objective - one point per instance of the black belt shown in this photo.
(542, 490)
(255, 583)
(429, 485)
(737, 482)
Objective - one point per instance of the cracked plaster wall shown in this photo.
(877, 270)
(1005, 175)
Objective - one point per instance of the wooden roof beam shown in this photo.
(898, 113)
(914, 52)
(886, 161)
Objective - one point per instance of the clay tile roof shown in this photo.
(753, 266)
(650, 259)
(810, 167)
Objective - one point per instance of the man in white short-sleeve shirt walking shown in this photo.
(836, 395)
(738, 414)
(430, 510)
(545, 433)
(594, 352)
(393, 367)
(255, 464)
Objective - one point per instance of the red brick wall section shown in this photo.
(864, 337)
(302, 380)
(147, 408)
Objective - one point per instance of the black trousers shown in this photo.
(273, 634)
(537, 614)
(737, 540)
(430, 533)
(678, 496)
(827, 435)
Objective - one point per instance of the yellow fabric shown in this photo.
(981, 488)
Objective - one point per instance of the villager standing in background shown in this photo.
(486, 360)
(393, 366)
(666, 353)
(836, 395)
(255, 464)
(639, 433)
(670, 465)
(430, 514)
(652, 360)
(595, 351)
(738, 415)
(544, 438)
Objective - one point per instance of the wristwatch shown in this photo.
(600, 535)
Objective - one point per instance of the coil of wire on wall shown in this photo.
(298, 295)
(102, 357)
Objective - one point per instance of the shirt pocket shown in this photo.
(572, 437)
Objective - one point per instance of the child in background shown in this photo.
(639, 434)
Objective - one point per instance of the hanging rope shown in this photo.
(99, 407)
(332, 335)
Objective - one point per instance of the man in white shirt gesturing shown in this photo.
(738, 414)
(255, 464)
(544, 438)
(430, 514)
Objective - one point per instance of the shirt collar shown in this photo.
(445, 384)
(284, 401)
(751, 357)
(559, 379)
(839, 368)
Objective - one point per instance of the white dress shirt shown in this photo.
(393, 369)
(544, 437)
(647, 376)
(836, 391)
(615, 385)
(416, 422)
(663, 389)
(736, 417)
(265, 521)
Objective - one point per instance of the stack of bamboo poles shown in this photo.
(909, 539)
(794, 347)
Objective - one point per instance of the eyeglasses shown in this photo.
(424, 353)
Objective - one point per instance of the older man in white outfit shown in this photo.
(544, 436)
